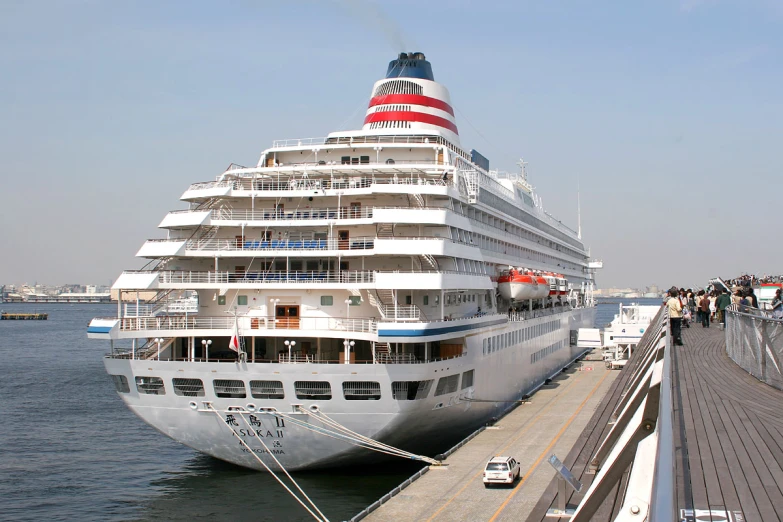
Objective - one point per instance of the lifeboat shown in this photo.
(562, 284)
(517, 286)
(543, 287)
(551, 280)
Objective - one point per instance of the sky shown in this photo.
(668, 116)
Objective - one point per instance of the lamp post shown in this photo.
(348, 345)
(290, 345)
(205, 344)
(158, 341)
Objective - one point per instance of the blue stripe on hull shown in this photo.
(99, 329)
(436, 331)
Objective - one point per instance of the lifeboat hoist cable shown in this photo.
(322, 517)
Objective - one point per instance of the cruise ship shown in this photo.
(349, 294)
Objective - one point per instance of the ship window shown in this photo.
(364, 159)
(242, 300)
(447, 385)
(188, 387)
(327, 300)
(426, 300)
(355, 300)
(437, 299)
(150, 385)
(411, 390)
(408, 299)
(467, 379)
(345, 160)
(361, 391)
(313, 390)
(121, 383)
(267, 390)
(390, 161)
(221, 300)
(229, 388)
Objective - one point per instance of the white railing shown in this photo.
(248, 324)
(354, 243)
(297, 142)
(227, 214)
(294, 358)
(400, 312)
(267, 277)
(284, 181)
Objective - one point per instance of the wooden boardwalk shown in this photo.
(728, 430)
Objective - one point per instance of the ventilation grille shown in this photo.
(361, 391)
(447, 385)
(121, 383)
(188, 387)
(229, 389)
(313, 390)
(398, 87)
(150, 385)
(411, 390)
(267, 390)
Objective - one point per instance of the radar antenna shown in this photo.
(522, 172)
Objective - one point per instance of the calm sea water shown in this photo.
(70, 449)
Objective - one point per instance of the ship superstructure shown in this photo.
(355, 277)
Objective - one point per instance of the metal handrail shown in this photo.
(754, 341)
(248, 323)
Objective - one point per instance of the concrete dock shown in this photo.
(549, 423)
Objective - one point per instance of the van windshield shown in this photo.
(497, 466)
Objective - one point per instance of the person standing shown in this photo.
(754, 302)
(675, 317)
(704, 307)
(721, 303)
(777, 305)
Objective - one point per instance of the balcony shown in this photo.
(324, 214)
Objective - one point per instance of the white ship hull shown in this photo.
(427, 426)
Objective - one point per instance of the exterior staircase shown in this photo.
(385, 230)
(380, 352)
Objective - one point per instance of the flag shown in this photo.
(234, 343)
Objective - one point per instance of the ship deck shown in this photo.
(728, 433)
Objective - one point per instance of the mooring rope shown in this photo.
(242, 414)
(243, 443)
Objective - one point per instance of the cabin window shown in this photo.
(150, 385)
(411, 390)
(267, 390)
(345, 160)
(437, 299)
(229, 388)
(361, 391)
(467, 379)
(364, 159)
(313, 390)
(447, 385)
(221, 300)
(426, 300)
(188, 387)
(242, 300)
(354, 300)
(408, 299)
(121, 383)
(327, 300)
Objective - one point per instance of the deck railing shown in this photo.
(755, 342)
(248, 324)
(268, 277)
(284, 181)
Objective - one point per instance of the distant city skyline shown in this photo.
(666, 114)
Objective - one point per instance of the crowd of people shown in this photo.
(746, 280)
(709, 306)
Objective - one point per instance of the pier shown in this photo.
(13, 316)
(681, 433)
